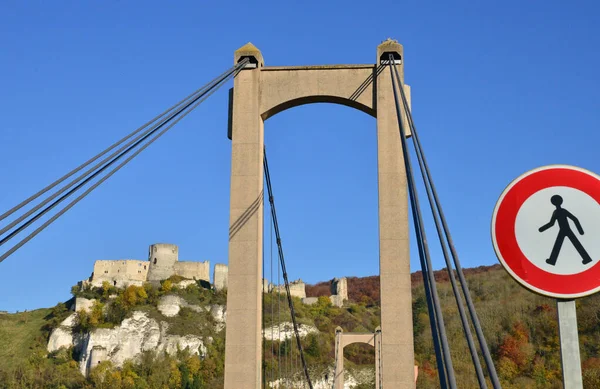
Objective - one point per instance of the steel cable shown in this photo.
(195, 103)
(380, 363)
(262, 317)
(72, 172)
(123, 150)
(422, 240)
(283, 268)
(461, 310)
(433, 321)
(272, 306)
(280, 329)
(437, 205)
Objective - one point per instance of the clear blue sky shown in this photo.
(498, 89)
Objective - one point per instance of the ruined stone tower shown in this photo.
(162, 258)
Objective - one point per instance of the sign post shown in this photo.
(546, 234)
(569, 344)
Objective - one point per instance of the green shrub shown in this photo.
(166, 286)
(177, 278)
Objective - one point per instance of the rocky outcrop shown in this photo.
(135, 335)
(219, 313)
(184, 284)
(310, 300)
(83, 304)
(171, 343)
(62, 336)
(170, 306)
(285, 330)
(324, 380)
(127, 341)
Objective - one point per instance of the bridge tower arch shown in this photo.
(345, 339)
(260, 92)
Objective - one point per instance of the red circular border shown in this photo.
(506, 242)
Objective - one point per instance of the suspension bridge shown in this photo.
(258, 93)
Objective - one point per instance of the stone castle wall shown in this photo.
(163, 262)
(193, 270)
(220, 276)
(221, 272)
(98, 354)
(297, 289)
(120, 273)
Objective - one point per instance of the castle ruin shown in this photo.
(297, 289)
(162, 263)
(221, 275)
(339, 291)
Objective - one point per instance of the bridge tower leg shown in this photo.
(377, 345)
(243, 357)
(338, 374)
(397, 351)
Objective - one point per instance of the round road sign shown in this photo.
(546, 231)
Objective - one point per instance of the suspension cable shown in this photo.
(272, 304)
(115, 156)
(459, 302)
(72, 172)
(422, 239)
(291, 371)
(433, 321)
(262, 318)
(278, 317)
(283, 269)
(380, 361)
(197, 101)
(432, 193)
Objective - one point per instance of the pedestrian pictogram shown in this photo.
(546, 231)
(562, 216)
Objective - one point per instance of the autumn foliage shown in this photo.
(520, 328)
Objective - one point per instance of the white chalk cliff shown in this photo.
(135, 335)
(285, 330)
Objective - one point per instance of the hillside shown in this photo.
(20, 334)
(520, 328)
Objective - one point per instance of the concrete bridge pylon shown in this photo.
(260, 92)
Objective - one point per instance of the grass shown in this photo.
(20, 334)
(530, 360)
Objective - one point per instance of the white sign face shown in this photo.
(546, 231)
(537, 246)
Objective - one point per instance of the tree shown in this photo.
(166, 286)
(174, 376)
(313, 346)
